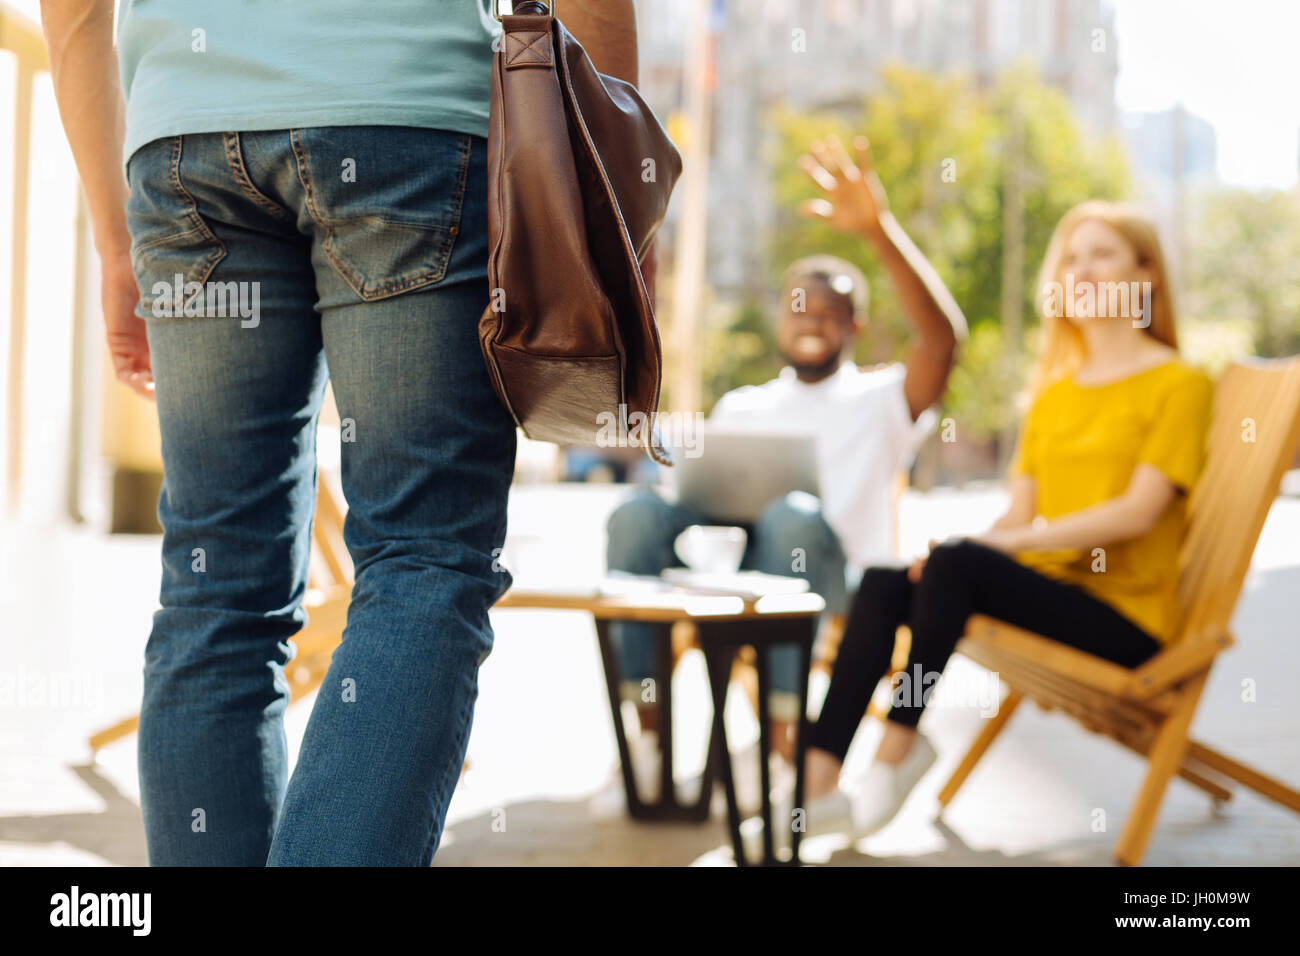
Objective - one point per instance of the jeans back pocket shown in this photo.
(171, 245)
(387, 199)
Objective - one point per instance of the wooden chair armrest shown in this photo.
(1079, 666)
(1176, 663)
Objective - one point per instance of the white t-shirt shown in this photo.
(864, 433)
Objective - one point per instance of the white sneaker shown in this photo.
(830, 813)
(879, 794)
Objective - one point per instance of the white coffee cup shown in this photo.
(712, 549)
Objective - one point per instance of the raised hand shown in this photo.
(853, 200)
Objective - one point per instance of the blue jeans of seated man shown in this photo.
(358, 253)
(641, 531)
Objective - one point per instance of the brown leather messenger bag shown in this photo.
(579, 176)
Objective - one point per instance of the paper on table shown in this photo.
(626, 584)
(748, 584)
(615, 584)
(553, 588)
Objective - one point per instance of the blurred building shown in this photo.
(815, 54)
(1172, 154)
(1169, 148)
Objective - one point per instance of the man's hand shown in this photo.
(1007, 540)
(127, 344)
(83, 66)
(854, 202)
(853, 198)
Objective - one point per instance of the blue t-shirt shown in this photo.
(199, 66)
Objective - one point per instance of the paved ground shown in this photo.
(74, 612)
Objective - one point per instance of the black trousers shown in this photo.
(960, 578)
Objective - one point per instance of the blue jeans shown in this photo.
(357, 254)
(790, 538)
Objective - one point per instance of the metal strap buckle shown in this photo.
(509, 7)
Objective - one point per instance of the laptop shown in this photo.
(736, 474)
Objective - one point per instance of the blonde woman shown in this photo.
(1086, 554)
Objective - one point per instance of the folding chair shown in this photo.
(1253, 436)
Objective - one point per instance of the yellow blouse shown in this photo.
(1081, 444)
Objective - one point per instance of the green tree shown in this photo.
(1243, 265)
(739, 352)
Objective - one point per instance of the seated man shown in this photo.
(868, 425)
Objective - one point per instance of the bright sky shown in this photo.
(1234, 63)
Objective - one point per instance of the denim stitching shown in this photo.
(220, 252)
(452, 230)
(309, 199)
(400, 284)
(236, 159)
(162, 240)
(461, 180)
(300, 161)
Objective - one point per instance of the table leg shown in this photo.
(664, 697)
(761, 662)
(666, 807)
(635, 808)
(718, 658)
(720, 641)
(801, 737)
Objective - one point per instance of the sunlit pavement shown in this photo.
(75, 606)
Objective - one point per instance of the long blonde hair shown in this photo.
(1062, 345)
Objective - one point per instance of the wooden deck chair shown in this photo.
(1253, 436)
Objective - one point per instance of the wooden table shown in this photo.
(723, 624)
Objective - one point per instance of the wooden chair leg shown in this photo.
(108, 735)
(745, 672)
(1264, 786)
(987, 735)
(1202, 782)
(827, 645)
(306, 676)
(1189, 770)
(1166, 756)
(325, 622)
